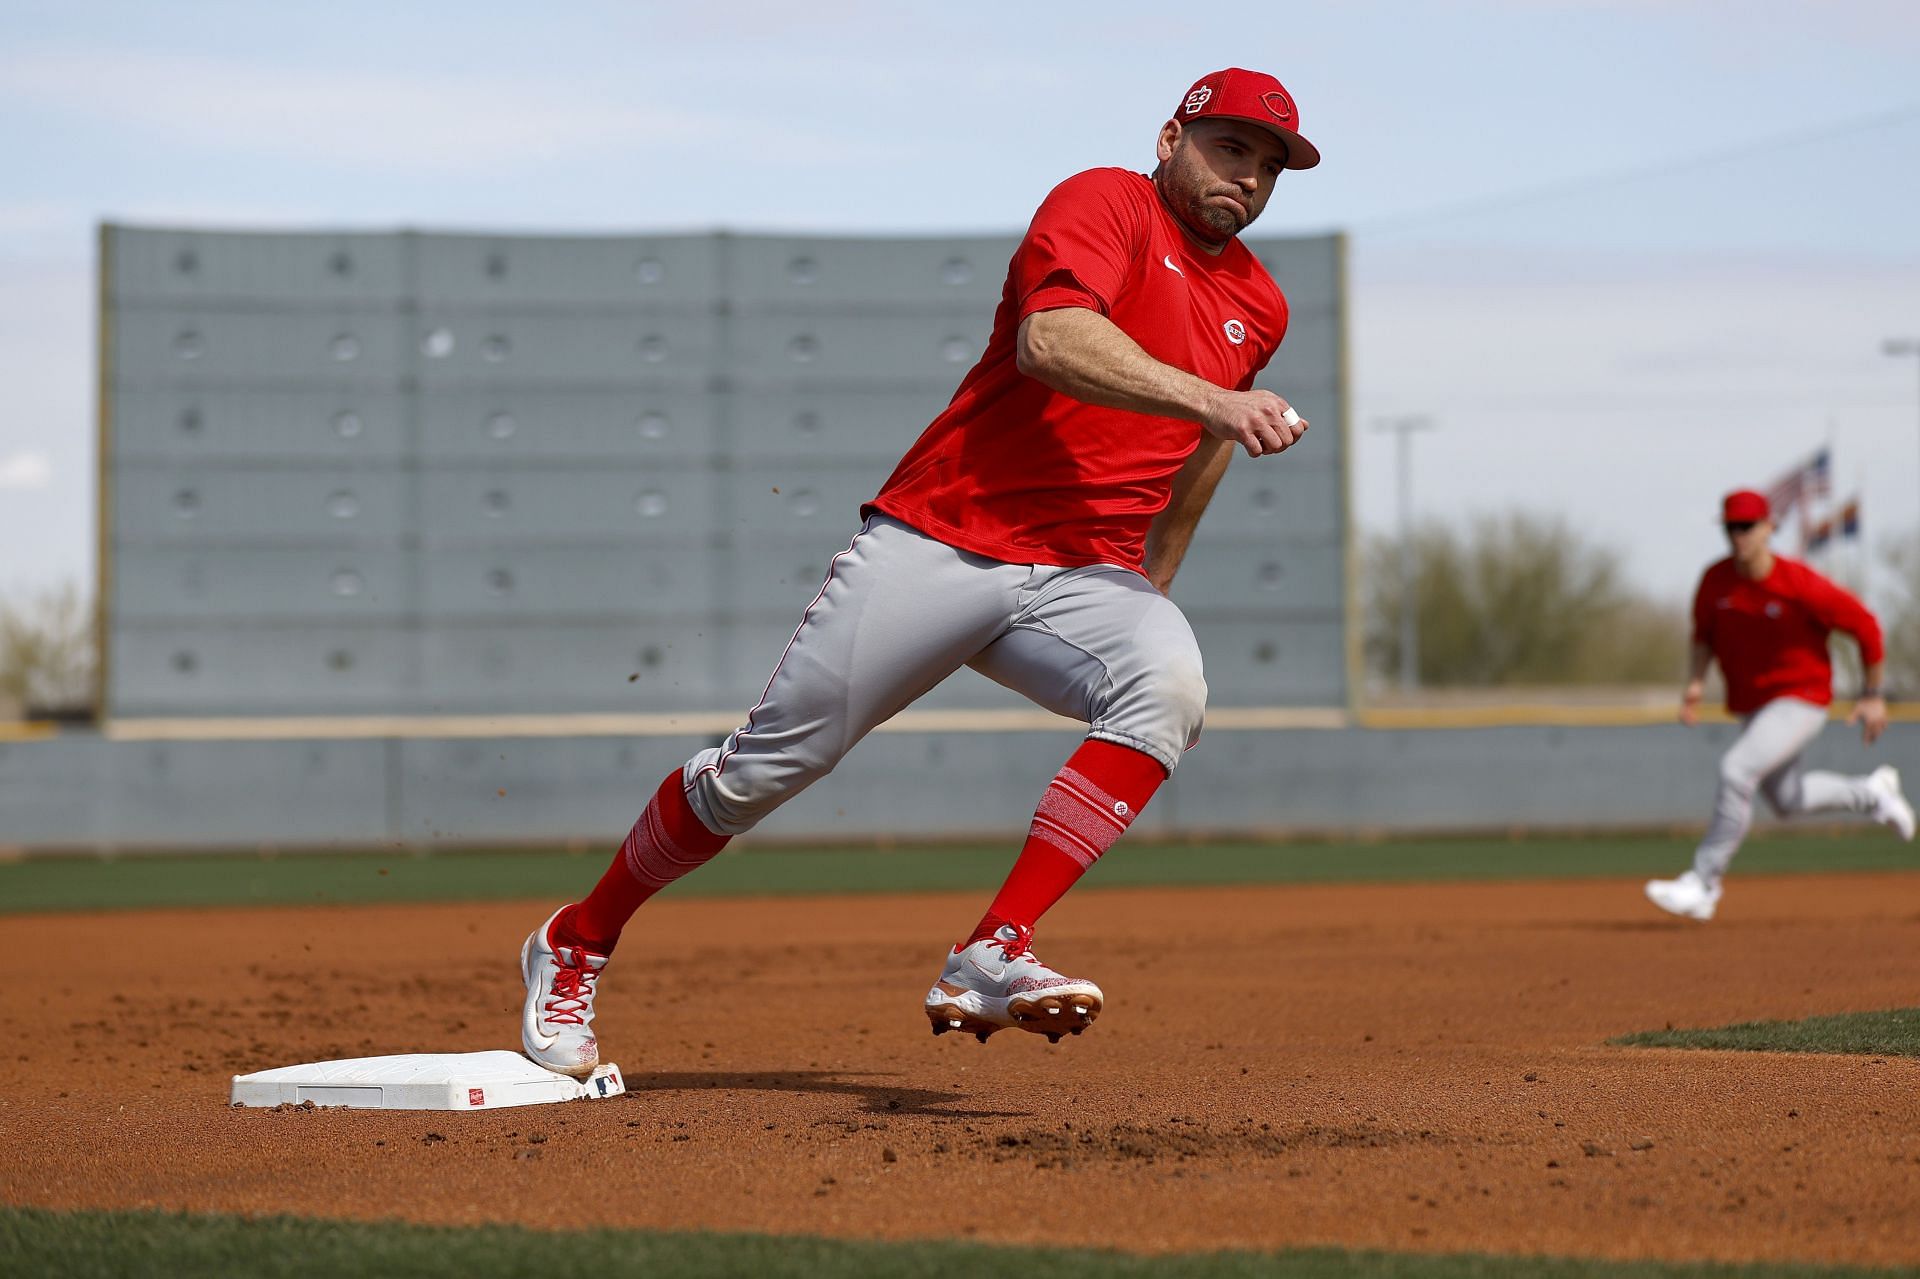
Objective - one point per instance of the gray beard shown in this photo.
(1219, 221)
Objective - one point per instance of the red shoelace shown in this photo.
(572, 991)
(1022, 943)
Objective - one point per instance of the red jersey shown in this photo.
(1016, 471)
(1770, 636)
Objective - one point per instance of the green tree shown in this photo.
(1518, 599)
(47, 652)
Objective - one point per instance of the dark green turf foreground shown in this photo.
(83, 1245)
(1893, 1033)
(91, 883)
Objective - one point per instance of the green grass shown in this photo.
(86, 1244)
(1893, 1033)
(92, 883)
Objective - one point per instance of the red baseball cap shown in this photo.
(1743, 506)
(1253, 96)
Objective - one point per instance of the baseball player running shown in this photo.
(1030, 533)
(1765, 619)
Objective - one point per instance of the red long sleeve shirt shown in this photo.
(1770, 636)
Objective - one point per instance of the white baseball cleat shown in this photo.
(556, 1023)
(998, 982)
(1890, 807)
(1688, 896)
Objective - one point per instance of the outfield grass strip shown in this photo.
(131, 882)
(1894, 1032)
(94, 1245)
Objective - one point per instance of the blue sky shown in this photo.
(1627, 254)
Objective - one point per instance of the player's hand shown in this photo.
(1870, 713)
(1690, 702)
(1258, 421)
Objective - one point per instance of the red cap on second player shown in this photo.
(1255, 97)
(1744, 506)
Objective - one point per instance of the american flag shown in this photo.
(1850, 518)
(1811, 479)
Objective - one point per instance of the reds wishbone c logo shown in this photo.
(1236, 331)
(1277, 101)
(1198, 98)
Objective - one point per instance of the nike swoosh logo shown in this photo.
(540, 1041)
(1167, 261)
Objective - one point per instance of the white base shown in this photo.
(423, 1081)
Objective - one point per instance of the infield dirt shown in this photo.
(1408, 1067)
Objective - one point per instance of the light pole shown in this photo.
(1403, 428)
(1902, 346)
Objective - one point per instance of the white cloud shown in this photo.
(25, 471)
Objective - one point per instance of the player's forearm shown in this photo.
(1172, 530)
(1699, 658)
(1085, 355)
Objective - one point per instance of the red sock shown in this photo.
(668, 841)
(1088, 806)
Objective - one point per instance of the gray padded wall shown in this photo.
(457, 473)
(81, 790)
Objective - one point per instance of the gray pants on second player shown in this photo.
(1766, 757)
(901, 611)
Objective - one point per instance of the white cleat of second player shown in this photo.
(1689, 896)
(1890, 807)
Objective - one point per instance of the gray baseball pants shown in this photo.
(901, 611)
(1766, 757)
